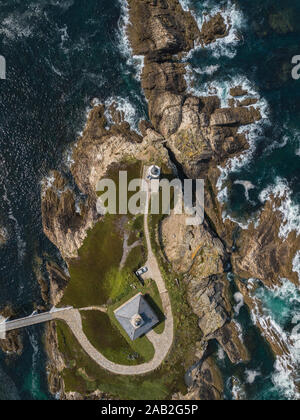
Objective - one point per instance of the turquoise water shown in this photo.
(61, 55)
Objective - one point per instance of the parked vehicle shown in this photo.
(141, 271)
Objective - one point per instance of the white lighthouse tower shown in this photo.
(154, 173)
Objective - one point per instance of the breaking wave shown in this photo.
(289, 210)
(136, 61)
(127, 109)
(233, 18)
(251, 376)
(277, 312)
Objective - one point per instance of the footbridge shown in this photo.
(33, 319)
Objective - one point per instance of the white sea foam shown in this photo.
(296, 136)
(239, 329)
(233, 17)
(47, 182)
(125, 106)
(289, 361)
(289, 210)
(221, 353)
(248, 187)
(296, 264)
(68, 156)
(239, 298)
(252, 131)
(238, 393)
(222, 88)
(21, 244)
(251, 283)
(185, 4)
(137, 61)
(16, 25)
(35, 386)
(207, 70)
(251, 375)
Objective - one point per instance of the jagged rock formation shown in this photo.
(58, 282)
(63, 223)
(206, 383)
(56, 362)
(214, 28)
(197, 252)
(13, 344)
(262, 254)
(192, 249)
(160, 28)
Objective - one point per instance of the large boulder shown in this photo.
(214, 28)
(160, 27)
(192, 248)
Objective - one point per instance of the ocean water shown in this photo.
(61, 56)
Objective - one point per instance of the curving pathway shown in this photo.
(162, 342)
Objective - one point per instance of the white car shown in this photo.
(141, 271)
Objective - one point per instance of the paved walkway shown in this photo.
(28, 321)
(94, 308)
(162, 342)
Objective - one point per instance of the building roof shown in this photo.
(136, 316)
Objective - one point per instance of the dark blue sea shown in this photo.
(61, 55)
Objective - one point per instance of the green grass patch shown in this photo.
(91, 280)
(109, 340)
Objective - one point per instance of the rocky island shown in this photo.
(188, 135)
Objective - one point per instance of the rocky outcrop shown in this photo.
(262, 254)
(210, 300)
(98, 148)
(214, 28)
(13, 344)
(192, 249)
(160, 27)
(238, 91)
(206, 383)
(55, 363)
(64, 223)
(58, 282)
(198, 253)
